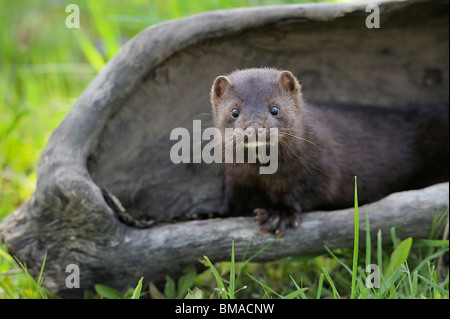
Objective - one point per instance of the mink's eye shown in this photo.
(274, 110)
(235, 113)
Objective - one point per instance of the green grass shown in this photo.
(407, 274)
(410, 271)
(45, 66)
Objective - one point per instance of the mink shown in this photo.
(321, 148)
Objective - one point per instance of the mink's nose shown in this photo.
(253, 131)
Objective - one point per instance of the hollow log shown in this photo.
(118, 255)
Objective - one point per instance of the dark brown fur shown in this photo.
(322, 149)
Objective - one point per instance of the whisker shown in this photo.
(201, 114)
(202, 150)
(309, 111)
(303, 130)
(303, 139)
(288, 148)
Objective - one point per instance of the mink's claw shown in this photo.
(261, 216)
(275, 222)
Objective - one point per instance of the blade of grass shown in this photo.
(368, 241)
(387, 288)
(39, 282)
(399, 255)
(394, 236)
(185, 281)
(295, 293)
(4, 254)
(438, 222)
(107, 292)
(409, 277)
(430, 243)
(356, 244)
(137, 290)
(330, 281)
(169, 289)
(89, 50)
(393, 288)
(319, 286)
(245, 262)
(338, 260)
(414, 283)
(265, 286)
(362, 290)
(247, 247)
(302, 295)
(107, 29)
(430, 257)
(380, 249)
(232, 273)
(219, 280)
(31, 280)
(155, 293)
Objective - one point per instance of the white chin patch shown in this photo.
(254, 144)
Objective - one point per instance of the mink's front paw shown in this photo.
(276, 222)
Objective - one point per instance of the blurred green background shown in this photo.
(44, 67)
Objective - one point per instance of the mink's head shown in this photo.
(256, 98)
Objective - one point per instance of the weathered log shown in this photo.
(118, 255)
(117, 138)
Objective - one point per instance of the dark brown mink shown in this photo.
(321, 148)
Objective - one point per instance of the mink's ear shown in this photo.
(288, 82)
(220, 86)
